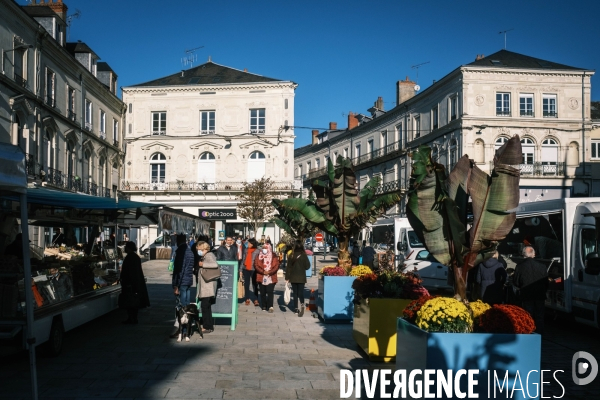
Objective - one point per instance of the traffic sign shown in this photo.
(319, 237)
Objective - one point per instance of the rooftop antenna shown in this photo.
(417, 87)
(501, 32)
(70, 19)
(190, 57)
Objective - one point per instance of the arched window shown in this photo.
(528, 151)
(256, 166)
(500, 141)
(206, 168)
(549, 152)
(479, 148)
(157, 168)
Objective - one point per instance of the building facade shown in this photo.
(473, 110)
(193, 139)
(56, 105)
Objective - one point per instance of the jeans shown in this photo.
(536, 309)
(248, 279)
(184, 295)
(266, 293)
(297, 292)
(207, 319)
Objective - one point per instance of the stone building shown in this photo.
(194, 137)
(65, 116)
(473, 110)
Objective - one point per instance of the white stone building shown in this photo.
(195, 136)
(58, 103)
(473, 110)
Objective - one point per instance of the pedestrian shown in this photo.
(192, 241)
(173, 238)
(133, 282)
(206, 291)
(248, 273)
(295, 273)
(531, 277)
(266, 266)
(355, 255)
(368, 255)
(239, 247)
(183, 272)
(491, 277)
(125, 237)
(227, 252)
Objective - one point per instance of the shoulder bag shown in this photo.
(210, 274)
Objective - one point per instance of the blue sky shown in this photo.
(343, 54)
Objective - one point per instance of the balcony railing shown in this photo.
(526, 113)
(539, 169)
(50, 100)
(550, 114)
(71, 115)
(160, 133)
(88, 126)
(74, 183)
(389, 187)
(199, 186)
(503, 113)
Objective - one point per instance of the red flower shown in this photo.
(411, 310)
(506, 318)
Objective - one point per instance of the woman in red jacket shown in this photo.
(266, 266)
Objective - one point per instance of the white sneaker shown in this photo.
(271, 310)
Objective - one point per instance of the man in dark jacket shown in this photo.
(368, 255)
(491, 277)
(355, 254)
(228, 252)
(183, 271)
(531, 277)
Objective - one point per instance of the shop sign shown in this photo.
(218, 214)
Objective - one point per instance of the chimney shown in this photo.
(404, 90)
(245, 69)
(182, 73)
(333, 126)
(58, 7)
(479, 57)
(315, 133)
(379, 104)
(352, 120)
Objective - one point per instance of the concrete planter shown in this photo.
(374, 327)
(494, 352)
(334, 303)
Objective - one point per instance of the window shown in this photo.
(384, 139)
(159, 123)
(370, 147)
(286, 104)
(157, 168)
(417, 127)
(299, 173)
(454, 108)
(317, 163)
(503, 104)
(500, 141)
(595, 149)
(549, 106)
(207, 122)
(528, 148)
(206, 168)
(434, 117)
(399, 133)
(102, 124)
(453, 154)
(50, 76)
(346, 152)
(357, 150)
(130, 108)
(308, 165)
(71, 103)
(21, 66)
(526, 105)
(256, 166)
(257, 120)
(115, 131)
(326, 161)
(549, 156)
(88, 115)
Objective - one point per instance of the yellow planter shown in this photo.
(374, 327)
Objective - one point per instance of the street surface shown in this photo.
(268, 356)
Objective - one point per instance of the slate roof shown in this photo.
(102, 66)
(39, 11)
(208, 73)
(509, 59)
(78, 47)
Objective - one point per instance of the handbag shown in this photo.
(171, 266)
(210, 274)
(241, 291)
(360, 260)
(287, 295)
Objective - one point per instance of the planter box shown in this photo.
(334, 303)
(374, 327)
(494, 352)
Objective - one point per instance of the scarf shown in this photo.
(266, 259)
(239, 251)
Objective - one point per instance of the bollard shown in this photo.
(314, 265)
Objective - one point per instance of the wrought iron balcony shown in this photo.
(540, 169)
(50, 100)
(160, 133)
(71, 115)
(390, 187)
(88, 126)
(178, 186)
(20, 80)
(550, 114)
(502, 113)
(526, 113)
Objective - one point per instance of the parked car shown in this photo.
(434, 274)
(381, 247)
(163, 240)
(320, 247)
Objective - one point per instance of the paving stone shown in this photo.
(281, 394)
(196, 393)
(234, 384)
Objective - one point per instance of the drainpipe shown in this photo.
(583, 124)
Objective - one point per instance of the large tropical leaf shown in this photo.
(344, 191)
(311, 212)
(368, 192)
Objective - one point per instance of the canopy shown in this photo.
(57, 198)
(179, 221)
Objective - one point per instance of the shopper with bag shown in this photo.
(247, 272)
(183, 272)
(134, 294)
(266, 265)
(207, 284)
(295, 274)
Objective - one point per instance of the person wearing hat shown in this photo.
(133, 281)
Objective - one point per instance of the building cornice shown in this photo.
(211, 88)
(527, 71)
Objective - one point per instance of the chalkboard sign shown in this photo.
(226, 296)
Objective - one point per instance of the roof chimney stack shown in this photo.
(352, 120)
(333, 126)
(315, 133)
(379, 104)
(404, 90)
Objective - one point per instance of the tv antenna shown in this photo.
(70, 19)
(417, 87)
(190, 57)
(504, 32)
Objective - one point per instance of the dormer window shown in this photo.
(94, 67)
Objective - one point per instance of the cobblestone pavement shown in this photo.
(268, 356)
